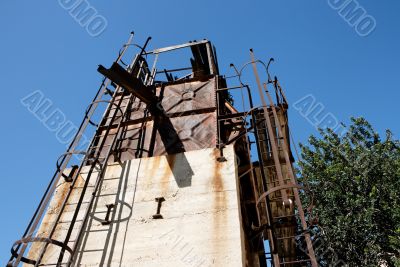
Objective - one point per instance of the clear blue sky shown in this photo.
(316, 52)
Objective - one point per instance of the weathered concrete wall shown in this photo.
(201, 214)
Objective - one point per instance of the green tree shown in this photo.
(354, 183)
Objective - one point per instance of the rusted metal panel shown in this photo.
(183, 97)
(135, 138)
(136, 112)
(189, 122)
(177, 98)
(192, 132)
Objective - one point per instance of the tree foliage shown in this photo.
(354, 182)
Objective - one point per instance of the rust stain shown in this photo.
(58, 198)
(51, 214)
(220, 202)
(154, 165)
(217, 181)
(171, 159)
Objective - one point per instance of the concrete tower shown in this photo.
(174, 175)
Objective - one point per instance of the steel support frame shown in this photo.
(267, 109)
(292, 177)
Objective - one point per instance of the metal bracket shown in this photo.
(107, 219)
(159, 201)
(70, 176)
(221, 159)
(261, 228)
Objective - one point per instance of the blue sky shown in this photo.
(43, 48)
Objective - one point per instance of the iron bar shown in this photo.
(175, 47)
(174, 70)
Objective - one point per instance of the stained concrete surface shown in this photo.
(200, 223)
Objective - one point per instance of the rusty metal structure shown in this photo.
(151, 110)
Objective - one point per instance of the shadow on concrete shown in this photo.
(175, 149)
(173, 145)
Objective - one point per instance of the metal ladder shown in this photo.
(109, 151)
(284, 190)
(119, 148)
(282, 215)
(92, 158)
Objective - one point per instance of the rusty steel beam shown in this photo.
(133, 85)
(175, 47)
